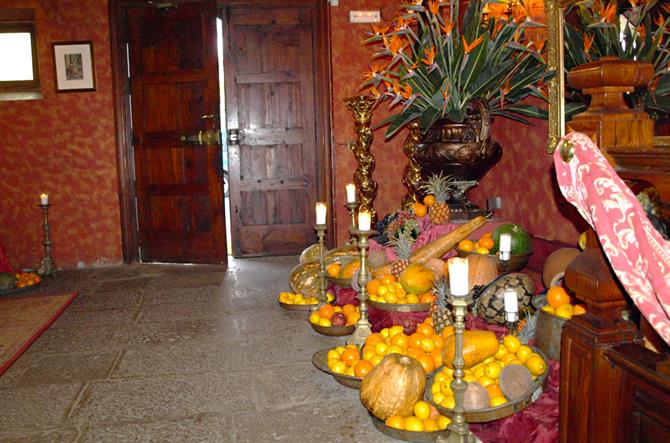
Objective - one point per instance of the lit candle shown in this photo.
(364, 220)
(321, 213)
(505, 242)
(351, 193)
(458, 275)
(44, 199)
(511, 305)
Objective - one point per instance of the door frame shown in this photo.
(121, 86)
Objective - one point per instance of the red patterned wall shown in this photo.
(63, 145)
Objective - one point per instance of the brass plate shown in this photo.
(342, 282)
(502, 411)
(333, 331)
(395, 307)
(320, 361)
(294, 307)
(401, 434)
(304, 279)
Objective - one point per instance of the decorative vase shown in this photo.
(462, 150)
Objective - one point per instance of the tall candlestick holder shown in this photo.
(47, 266)
(321, 235)
(459, 429)
(352, 207)
(363, 327)
(504, 260)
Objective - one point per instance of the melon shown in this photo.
(417, 279)
(520, 238)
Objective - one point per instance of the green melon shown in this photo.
(520, 238)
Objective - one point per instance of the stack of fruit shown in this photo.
(487, 372)
(341, 273)
(560, 303)
(329, 315)
(425, 419)
(483, 245)
(290, 298)
(388, 290)
(346, 360)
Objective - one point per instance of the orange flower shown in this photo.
(469, 47)
(666, 8)
(659, 20)
(496, 10)
(445, 96)
(380, 29)
(434, 6)
(447, 27)
(588, 42)
(397, 45)
(609, 13)
(642, 31)
(430, 56)
(401, 23)
(406, 91)
(374, 92)
(374, 70)
(539, 42)
(396, 87)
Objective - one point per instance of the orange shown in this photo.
(422, 410)
(427, 345)
(333, 269)
(350, 356)
(400, 340)
(439, 341)
(348, 309)
(362, 367)
(373, 339)
(494, 391)
(430, 425)
(413, 352)
(436, 355)
(415, 340)
(429, 200)
(486, 234)
(556, 296)
(446, 332)
(486, 242)
(353, 318)
(425, 329)
(388, 279)
(396, 422)
(326, 311)
(426, 298)
(373, 286)
(579, 310)
(426, 361)
(420, 210)
(429, 320)
(466, 245)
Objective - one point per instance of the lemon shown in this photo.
(492, 370)
(412, 299)
(381, 348)
(523, 353)
(382, 290)
(394, 349)
(448, 402)
(582, 241)
(443, 422)
(434, 389)
(500, 353)
(325, 322)
(564, 311)
(438, 397)
(339, 367)
(485, 381)
(497, 401)
(414, 424)
(536, 365)
(548, 309)
(376, 359)
(395, 330)
(333, 354)
(422, 410)
(512, 343)
(314, 317)
(482, 251)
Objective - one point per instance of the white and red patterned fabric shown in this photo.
(638, 254)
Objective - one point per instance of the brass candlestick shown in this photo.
(47, 266)
(504, 259)
(352, 207)
(363, 327)
(459, 429)
(321, 235)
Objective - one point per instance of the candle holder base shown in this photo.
(47, 265)
(361, 333)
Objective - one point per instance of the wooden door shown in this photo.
(175, 99)
(271, 112)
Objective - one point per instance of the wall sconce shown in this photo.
(364, 17)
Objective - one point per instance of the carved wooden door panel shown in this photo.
(175, 99)
(270, 109)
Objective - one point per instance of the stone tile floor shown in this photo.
(178, 353)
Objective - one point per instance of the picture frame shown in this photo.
(74, 66)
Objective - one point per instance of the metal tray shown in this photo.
(294, 307)
(396, 307)
(401, 434)
(320, 361)
(333, 331)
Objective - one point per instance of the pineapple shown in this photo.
(439, 186)
(439, 311)
(403, 248)
(527, 327)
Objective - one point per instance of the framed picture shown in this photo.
(75, 68)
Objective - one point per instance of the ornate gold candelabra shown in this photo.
(363, 327)
(352, 207)
(361, 108)
(459, 429)
(47, 266)
(412, 177)
(321, 235)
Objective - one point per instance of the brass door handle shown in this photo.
(202, 138)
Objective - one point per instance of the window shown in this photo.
(19, 73)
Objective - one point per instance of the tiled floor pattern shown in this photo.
(178, 353)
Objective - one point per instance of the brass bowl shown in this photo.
(333, 331)
(304, 279)
(320, 361)
(498, 412)
(343, 260)
(294, 307)
(396, 307)
(401, 434)
(342, 282)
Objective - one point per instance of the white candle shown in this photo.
(364, 221)
(44, 199)
(351, 193)
(458, 275)
(505, 242)
(511, 301)
(321, 213)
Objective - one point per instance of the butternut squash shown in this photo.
(477, 347)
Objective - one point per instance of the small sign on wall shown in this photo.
(74, 65)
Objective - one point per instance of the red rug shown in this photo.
(24, 319)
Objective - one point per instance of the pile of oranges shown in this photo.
(346, 360)
(387, 290)
(560, 303)
(24, 279)
(482, 246)
(325, 314)
(290, 298)
(425, 345)
(425, 419)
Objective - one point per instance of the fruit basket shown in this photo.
(340, 269)
(296, 302)
(402, 434)
(23, 281)
(501, 411)
(320, 361)
(397, 307)
(333, 331)
(334, 321)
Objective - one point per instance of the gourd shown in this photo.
(417, 279)
(477, 347)
(440, 246)
(437, 265)
(515, 381)
(393, 386)
(482, 269)
(476, 397)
